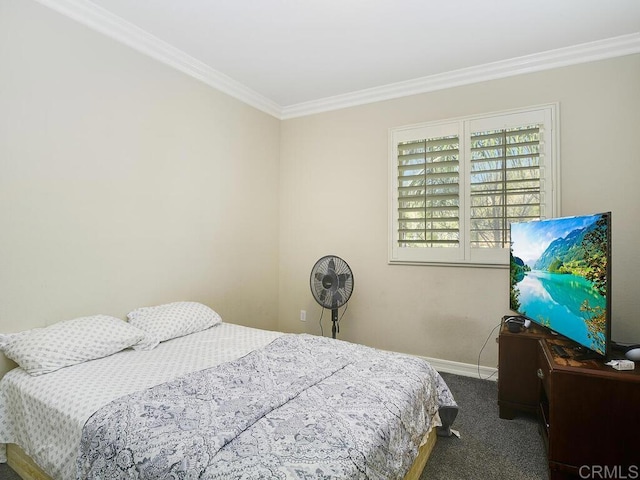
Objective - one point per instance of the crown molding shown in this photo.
(105, 22)
(583, 53)
(115, 27)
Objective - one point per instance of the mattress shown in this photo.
(51, 416)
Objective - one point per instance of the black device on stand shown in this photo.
(332, 285)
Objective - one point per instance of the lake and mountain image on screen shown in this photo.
(559, 276)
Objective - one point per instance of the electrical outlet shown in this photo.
(303, 315)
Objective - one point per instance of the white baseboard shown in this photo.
(464, 369)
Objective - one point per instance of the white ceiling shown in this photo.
(288, 56)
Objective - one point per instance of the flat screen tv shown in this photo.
(560, 277)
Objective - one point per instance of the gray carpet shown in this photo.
(6, 473)
(488, 447)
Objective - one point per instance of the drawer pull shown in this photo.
(540, 374)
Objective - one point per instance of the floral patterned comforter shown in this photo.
(303, 407)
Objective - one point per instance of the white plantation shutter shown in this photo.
(504, 183)
(428, 191)
(456, 186)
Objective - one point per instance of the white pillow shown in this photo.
(47, 349)
(164, 322)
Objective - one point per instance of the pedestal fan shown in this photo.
(331, 285)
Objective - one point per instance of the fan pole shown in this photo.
(334, 320)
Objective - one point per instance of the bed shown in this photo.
(225, 401)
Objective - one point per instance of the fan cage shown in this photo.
(331, 282)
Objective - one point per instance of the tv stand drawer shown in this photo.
(543, 416)
(544, 368)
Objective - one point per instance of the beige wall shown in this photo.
(125, 183)
(334, 200)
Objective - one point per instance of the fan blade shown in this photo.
(336, 301)
(332, 265)
(342, 279)
(323, 296)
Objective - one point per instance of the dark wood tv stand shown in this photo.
(589, 413)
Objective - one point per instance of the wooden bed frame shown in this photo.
(27, 469)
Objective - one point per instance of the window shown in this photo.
(457, 185)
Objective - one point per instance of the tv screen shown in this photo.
(560, 276)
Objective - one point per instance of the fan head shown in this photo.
(331, 282)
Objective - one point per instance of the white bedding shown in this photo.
(45, 415)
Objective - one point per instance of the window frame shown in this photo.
(464, 255)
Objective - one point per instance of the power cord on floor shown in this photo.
(484, 345)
